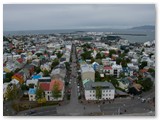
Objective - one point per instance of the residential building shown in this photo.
(107, 90)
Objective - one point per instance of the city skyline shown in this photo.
(76, 16)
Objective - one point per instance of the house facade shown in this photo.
(107, 90)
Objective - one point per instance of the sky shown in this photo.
(76, 16)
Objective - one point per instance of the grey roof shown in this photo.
(119, 92)
(90, 85)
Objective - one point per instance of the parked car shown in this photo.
(143, 100)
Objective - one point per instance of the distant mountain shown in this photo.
(145, 27)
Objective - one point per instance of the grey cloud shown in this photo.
(53, 16)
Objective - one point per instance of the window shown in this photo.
(106, 90)
(48, 92)
(93, 91)
(90, 95)
(93, 95)
(109, 94)
(90, 91)
(31, 95)
(103, 94)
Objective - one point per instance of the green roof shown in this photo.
(85, 81)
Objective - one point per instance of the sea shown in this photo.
(149, 34)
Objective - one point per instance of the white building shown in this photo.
(116, 69)
(106, 88)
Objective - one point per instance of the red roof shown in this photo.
(107, 67)
(20, 60)
(143, 70)
(58, 82)
(44, 86)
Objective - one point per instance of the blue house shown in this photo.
(127, 71)
(95, 65)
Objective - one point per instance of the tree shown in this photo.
(67, 65)
(111, 52)
(59, 55)
(143, 64)
(12, 92)
(39, 93)
(151, 70)
(98, 56)
(128, 60)
(31, 86)
(92, 60)
(147, 84)
(42, 100)
(45, 73)
(55, 63)
(118, 60)
(37, 70)
(126, 50)
(124, 63)
(56, 92)
(24, 87)
(97, 76)
(98, 92)
(8, 94)
(9, 76)
(86, 55)
(114, 82)
(39, 54)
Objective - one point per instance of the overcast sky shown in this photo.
(44, 16)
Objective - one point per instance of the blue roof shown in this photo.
(36, 76)
(32, 91)
(125, 69)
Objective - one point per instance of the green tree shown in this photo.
(114, 82)
(86, 55)
(39, 54)
(8, 94)
(45, 73)
(118, 60)
(92, 60)
(98, 56)
(111, 52)
(67, 65)
(24, 87)
(97, 77)
(126, 50)
(37, 70)
(39, 93)
(59, 55)
(12, 92)
(124, 63)
(128, 60)
(147, 84)
(31, 86)
(98, 92)
(56, 93)
(151, 70)
(54, 63)
(9, 75)
(143, 64)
